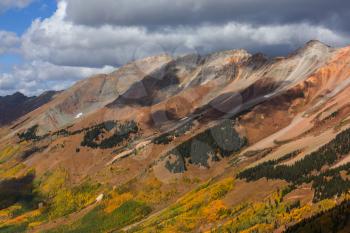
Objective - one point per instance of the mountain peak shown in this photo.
(14, 96)
(233, 52)
(312, 46)
(19, 94)
(314, 43)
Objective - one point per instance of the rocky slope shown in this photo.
(226, 142)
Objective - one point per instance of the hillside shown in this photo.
(224, 142)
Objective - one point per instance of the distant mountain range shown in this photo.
(17, 105)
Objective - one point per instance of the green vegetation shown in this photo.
(98, 220)
(168, 137)
(8, 152)
(18, 228)
(122, 131)
(17, 200)
(29, 134)
(93, 135)
(191, 210)
(62, 199)
(269, 215)
(331, 116)
(332, 220)
(20, 198)
(267, 169)
(67, 200)
(9, 171)
(221, 140)
(62, 132)
(331, 183)
(308, 169)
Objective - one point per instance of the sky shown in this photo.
(50, 44)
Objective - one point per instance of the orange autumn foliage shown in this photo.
(116, 201)
(212, 211)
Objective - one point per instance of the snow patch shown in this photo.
(79, 115)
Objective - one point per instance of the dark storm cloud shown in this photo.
(153, 13)
(65, 43)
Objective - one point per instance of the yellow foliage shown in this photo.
(65, 199)
(259, 228)
(205, 205)
(116, 201)
(34, 224)
(63, 203)
(8, 152)
(212, 211)
(54, 182)
(192, 209)
(326, 205)
(153, 183)
(6, 173)
(261, 216)
(206, 194)
(188, 180)
(266, 216)
(296, 214)
(23, 143)
(8, 212)
(9, 170)
(153, 193)
(22, 218)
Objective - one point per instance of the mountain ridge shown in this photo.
(16, 105)
(226, 142)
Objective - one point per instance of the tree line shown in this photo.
(303, 170)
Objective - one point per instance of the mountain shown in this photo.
(225, 142)
(17, 105)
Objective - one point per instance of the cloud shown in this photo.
(9, 42)
(8, 4)
(61, 42)
(193, 12)
(36, 77)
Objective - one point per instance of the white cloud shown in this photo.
(63, 43)
(36, 77)
(7, 4)
(9, 42)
